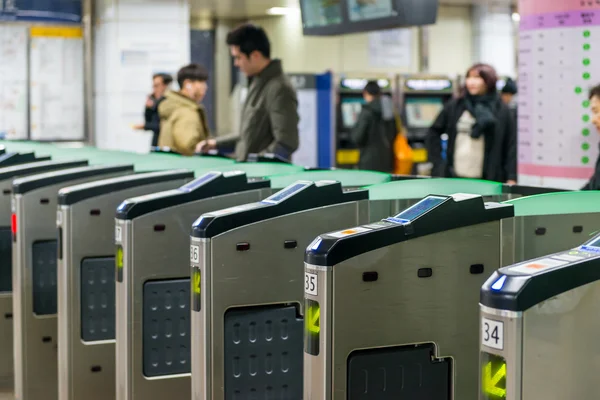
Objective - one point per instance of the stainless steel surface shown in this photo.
(512, 352)
(400, 308)
(201, 349)
(35, 337)
(559, 233)
(88, 236)
(6, 324)
(317, 369)
(267, 274)
(156, 256)
(561, 357)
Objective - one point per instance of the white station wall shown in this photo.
(450, 46)
(130, 47)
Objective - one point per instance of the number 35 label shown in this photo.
(492, 333)
(310, 283)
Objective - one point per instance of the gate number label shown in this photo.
(118, 234)
(492, 333)
(195, 254)
(310, 284)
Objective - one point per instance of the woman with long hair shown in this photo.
(482, 136)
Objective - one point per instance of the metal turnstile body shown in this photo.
(247, 289)
(86, 279)
(539, 328)
(549, 223)
(153, 282)
(389, 303)
(7, 175)
(34, 276)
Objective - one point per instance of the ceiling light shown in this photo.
(283, 10)
(516, 17)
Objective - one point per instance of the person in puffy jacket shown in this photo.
(482, 135)
(375, 131)
(183, 122)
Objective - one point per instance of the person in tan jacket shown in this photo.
(183, 122)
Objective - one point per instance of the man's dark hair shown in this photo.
(373, 88)
(166, 78)
(250, 38)
(595, 91)
(192, 72)
(510, 87)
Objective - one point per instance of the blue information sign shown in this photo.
(41, 10)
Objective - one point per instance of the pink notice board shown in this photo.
(559, 60)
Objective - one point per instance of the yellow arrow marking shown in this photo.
(313, 322)
(119, 257)
(490, 382)
(197, 281)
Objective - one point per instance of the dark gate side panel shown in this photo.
(98, 299)
(5, 260)
(166, 327)
(44, 277)
(399, 373)
(263, 353)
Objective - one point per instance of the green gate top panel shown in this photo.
(348, 178)
(419, 188)
(258, 170)
(557, 203)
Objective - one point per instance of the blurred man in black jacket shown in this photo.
(160, 84)
(375, 130)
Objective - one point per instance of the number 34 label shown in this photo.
(492, 333)
(310, 283)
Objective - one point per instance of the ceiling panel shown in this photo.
(254, 8)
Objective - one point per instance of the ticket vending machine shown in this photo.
(86, 279)
(539, 328)
(153, 281)
(422, 98)
(350, 101)
(387, 304)
(34, 206)
(247, 289)
(7, 175)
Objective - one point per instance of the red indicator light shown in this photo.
(13, 223)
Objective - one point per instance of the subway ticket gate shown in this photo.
(86, 279)
(545, 224)
(539, 328)
(34, 275)
(387, 304)
(7, 175)
(8, 159)
(247, 291)
(350, 179)
(392, 198)
(153, 281)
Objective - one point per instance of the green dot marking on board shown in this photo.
(585, 146)
(586, 33)
(586, 118)
(578, 90)
(585, 160)
(586, 75)
(586, 46)
(585, 132)
(586, 103)
(586, 61)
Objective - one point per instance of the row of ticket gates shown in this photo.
(223, 284)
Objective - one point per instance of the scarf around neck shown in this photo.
(482, 109)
